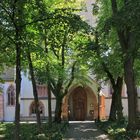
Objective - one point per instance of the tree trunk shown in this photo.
(131, 92)
(127, 45)
(58, 110)
(48, 82)
(18, 86)
(34, 91)
(116, 104)
(49, 106)
(113, 109)
(119, 99)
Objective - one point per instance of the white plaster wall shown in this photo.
(53, 106)
(125, 106)
(138, 90)
(139, 105)
(26, 87)
(108, 104)
(25, 107)
(52, 95)
(105, 88)
(9, 111)
(21, 107)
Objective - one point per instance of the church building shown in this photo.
(83, 102)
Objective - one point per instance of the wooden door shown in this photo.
(79, 105)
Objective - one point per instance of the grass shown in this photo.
(117, 130)
(29, 131)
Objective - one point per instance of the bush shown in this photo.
(117, 130)
(29, 131)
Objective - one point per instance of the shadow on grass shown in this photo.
(117, 130)
(29, 131)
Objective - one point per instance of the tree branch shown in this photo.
(121, 34)
(54, 51)
(71, 79)
(8, 13)
(110, 76)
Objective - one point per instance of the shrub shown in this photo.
(29, 131)
(117, 130)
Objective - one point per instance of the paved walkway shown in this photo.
(84, 131)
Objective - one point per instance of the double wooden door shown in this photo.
(79, 105)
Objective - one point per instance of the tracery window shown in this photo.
(11, 95)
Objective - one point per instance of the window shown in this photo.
(33, 109)
(11, 95)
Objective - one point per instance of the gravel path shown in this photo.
(84, 131)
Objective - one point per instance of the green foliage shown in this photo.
(125, 20)
(60, 42)
(117, 130)
(29, 131)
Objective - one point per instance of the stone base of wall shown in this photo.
(31, 118)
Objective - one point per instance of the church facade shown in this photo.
(83, 102)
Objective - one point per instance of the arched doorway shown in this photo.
(79, 104)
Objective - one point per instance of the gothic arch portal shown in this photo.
(80, 104)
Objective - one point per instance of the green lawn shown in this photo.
(29, 131)
(117, 130)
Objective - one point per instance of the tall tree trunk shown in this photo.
(116, 104)
(17, 13)
(48, 81)
(119, 99)
(49, 106)
(34, 90)
(113, 109)
(125, 39)
(58, 110)
(18, 86)
(131, 92)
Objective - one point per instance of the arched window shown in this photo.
(11, 95)
(33, 109)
